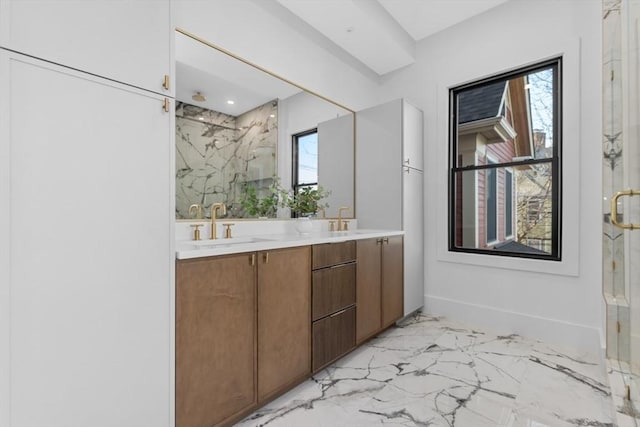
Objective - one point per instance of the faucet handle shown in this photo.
(345, 225)
(332, 226)
(227, 229)
(196, 232)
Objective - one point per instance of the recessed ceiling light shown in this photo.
(201, 118)
(230, 102)
(272, 115)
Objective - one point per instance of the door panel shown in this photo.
(96, 288)
(284, 318)
(368, 292)
(392, 283)
(215, 339)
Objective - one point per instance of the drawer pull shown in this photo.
(340, 312)
(252, 259)
(265, 257)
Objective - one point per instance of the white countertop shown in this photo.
(186, 249)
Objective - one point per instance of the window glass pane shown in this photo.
(524, 192)
(491, 204)
(508, 203)
(308, 158)
(512, 119)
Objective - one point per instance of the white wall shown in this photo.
(559, 302)
(267, 34)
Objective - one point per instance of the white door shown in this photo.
(126, 40)
(413, 226)
(412, 141)
(86, 269)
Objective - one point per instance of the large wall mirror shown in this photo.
(239, 129)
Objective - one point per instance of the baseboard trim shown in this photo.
(552, 331)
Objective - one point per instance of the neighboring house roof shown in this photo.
(480, 103)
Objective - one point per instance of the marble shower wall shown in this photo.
(216, 154)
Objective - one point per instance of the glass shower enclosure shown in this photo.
(621, 200)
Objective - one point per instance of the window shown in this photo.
(505, 168)
(305, 160)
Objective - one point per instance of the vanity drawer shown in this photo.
(333, 336)
(334, 288)
(329, 254)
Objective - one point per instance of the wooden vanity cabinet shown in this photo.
(243, 332)
(284, 315)
(379, 285)
(333, 302)
(215, 339)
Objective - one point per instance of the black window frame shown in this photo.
(296, 185)
(555, 161)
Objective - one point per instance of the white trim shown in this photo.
(5, 237)
(552, 331)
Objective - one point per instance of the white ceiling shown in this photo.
(200, 68)
(382, 34)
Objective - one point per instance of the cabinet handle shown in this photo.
(386, 240)
(378, 241)
(265, 257)
(407, 162)
(165, 82)
(252, 260)
(340, 312)
(165, 104)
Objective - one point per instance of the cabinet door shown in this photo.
(412, 137)
(392, 283)
(88, 281)
(284, 319)
(128, 41)
(368, 291)
(378, 166)
(413, 225)
(215, 339)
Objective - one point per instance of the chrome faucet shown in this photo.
(214, 208)
(343, 208)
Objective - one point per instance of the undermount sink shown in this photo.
(227, 242)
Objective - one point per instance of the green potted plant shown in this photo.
(306, 203)
(263, 206)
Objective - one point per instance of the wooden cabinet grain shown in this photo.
(379, 285)
(215, 339)
(243, 332)
(334, 297)
(333, 336)
(392, 297)
(284, 313)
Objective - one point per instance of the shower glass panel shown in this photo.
(621, 177)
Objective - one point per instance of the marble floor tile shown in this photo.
(430, 371)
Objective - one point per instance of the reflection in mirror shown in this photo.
(505, 167)
(234, 130)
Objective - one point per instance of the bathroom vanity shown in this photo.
(257, 317)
